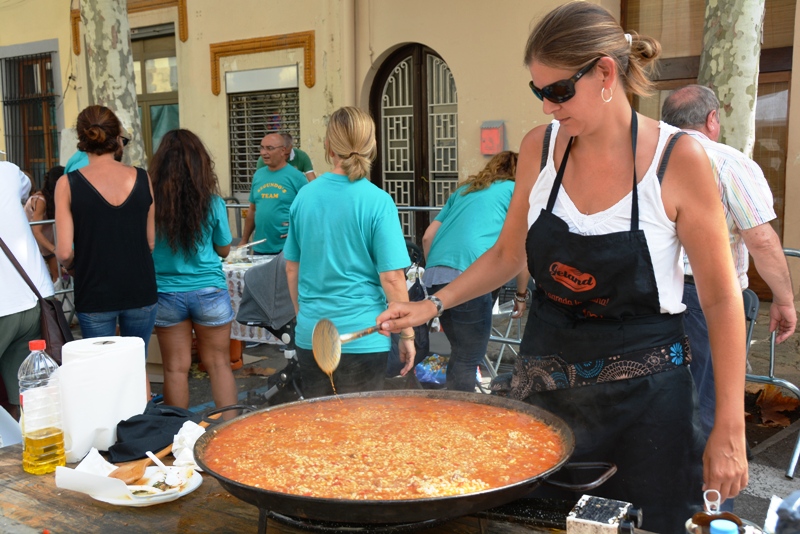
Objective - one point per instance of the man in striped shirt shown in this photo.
(747, 201)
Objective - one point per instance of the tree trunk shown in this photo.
(112, 82)
(729, 66)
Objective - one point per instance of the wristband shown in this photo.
(410, 336)
(438, 303)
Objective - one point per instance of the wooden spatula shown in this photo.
(130, 472)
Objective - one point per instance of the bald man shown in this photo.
(272, 192)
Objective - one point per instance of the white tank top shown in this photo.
(662, 238)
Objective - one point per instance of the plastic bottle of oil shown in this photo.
(40, 406)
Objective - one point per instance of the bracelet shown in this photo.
(522, 297)
(409, 336)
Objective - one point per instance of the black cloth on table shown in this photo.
(151, 431)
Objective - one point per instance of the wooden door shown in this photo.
(415, 105)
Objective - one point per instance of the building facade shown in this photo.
(434, 74)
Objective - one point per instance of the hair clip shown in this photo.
(629, 38)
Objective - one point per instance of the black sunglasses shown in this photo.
(562, 90)
(125, 141)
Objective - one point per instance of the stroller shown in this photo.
(266, 303)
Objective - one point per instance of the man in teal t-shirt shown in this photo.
(272, 192)
(296, 158)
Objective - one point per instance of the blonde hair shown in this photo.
(576, 33)
(502, 166)
(351, 136)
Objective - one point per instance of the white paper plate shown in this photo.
(194, 483)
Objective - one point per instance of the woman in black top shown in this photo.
(105, 221)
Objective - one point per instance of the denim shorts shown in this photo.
(209, 306)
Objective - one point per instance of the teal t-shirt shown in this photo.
(77, 161)
(343, 234)
(273, 192)
(470, 225)
(175, 273)
(300, 161)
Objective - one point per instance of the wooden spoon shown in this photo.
(327, 343)
(130, 472)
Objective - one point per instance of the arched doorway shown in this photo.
(415, 106)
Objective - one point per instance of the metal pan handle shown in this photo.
(610, 469)
(207, 417)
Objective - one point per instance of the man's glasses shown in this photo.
(562, 90)
(125, 141)
(270, 148)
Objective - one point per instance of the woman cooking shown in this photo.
(604, 346)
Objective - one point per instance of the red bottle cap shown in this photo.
(37, 344)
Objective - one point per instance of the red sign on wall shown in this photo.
(493, 138)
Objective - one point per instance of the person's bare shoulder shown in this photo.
(688, 178)
(530, 158)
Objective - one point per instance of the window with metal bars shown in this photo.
(29, 111)
(251, 116)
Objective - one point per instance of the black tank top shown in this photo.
(113, 264)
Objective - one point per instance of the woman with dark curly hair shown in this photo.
(106, 231)
(192, 234)
(41, 206)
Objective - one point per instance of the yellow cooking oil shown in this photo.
(43, 451)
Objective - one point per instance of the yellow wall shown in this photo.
(483, 45)
(205, 113)
(41, 20)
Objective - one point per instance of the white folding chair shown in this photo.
(504, 337)
(751, 305)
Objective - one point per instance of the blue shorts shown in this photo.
(209, 306)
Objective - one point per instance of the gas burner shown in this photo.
(312, 525)
(532, 512)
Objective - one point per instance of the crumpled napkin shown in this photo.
(91, 477)
(183, 445)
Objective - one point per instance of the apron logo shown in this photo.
(571, 277)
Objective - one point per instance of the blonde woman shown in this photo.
(345, 257)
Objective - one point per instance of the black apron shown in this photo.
(598, 353)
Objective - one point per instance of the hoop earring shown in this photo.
(603, 94)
